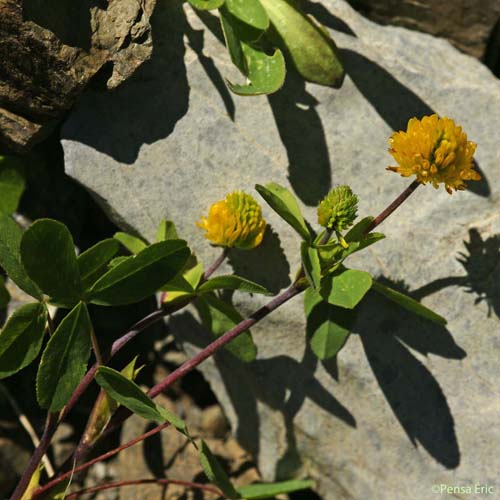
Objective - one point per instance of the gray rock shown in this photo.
(407, 404)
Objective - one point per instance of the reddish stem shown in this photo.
(82, 386)
(185, 368)
(223, 340)
(395, 204)
(119, 484)
(216, 264)
(122, 414)
(40, 491)
(50, 427)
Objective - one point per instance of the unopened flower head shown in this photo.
(338, 209)
(436, 150)
(235, 221)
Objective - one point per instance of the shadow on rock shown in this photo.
(481, 261)
(394, 102)
(482, 264)
(326, 18)
(415, 396)
(69, 21)
(196, 42)
(302, 134)
(266, 264)
(147, 106)
(249, 383)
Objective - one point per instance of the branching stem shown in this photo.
(40, 491)
(180, 372)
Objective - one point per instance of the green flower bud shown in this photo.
(338, 209)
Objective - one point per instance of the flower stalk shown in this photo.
(393, 206)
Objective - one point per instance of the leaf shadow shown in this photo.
(388, 333)
(481, 262)
(266, 264)
(301, 132)
(300, 129)
(196, 42)
(247, 385)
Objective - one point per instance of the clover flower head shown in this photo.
(338, 209)
(235, 221)
(436, 151)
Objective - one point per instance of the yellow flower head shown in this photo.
(436, 150)
(234, 222)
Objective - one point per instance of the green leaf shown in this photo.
(261, 490)
(206, 4)
(129, 394)
(181, 287)
(10, 256)
(93, 262)
(193, 275)
(328, 326)
(4, 294)
(64, 360)
(141, 276)
(59, 491)
(21, 339)
(232, 282)
(109, 405)
(307, 43)
(408, 303)
(285, 205)
(12, 184)
(220, 317)
(48, 255)
(249, 12)
(265, 73)
(311, 264)
(233, 36)
(215, 473)
(118, 260)
(104, 407)
(34, 483)
(132, 243)
(345, 288)
(356, 246)
(166, 231)
(358, 231)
